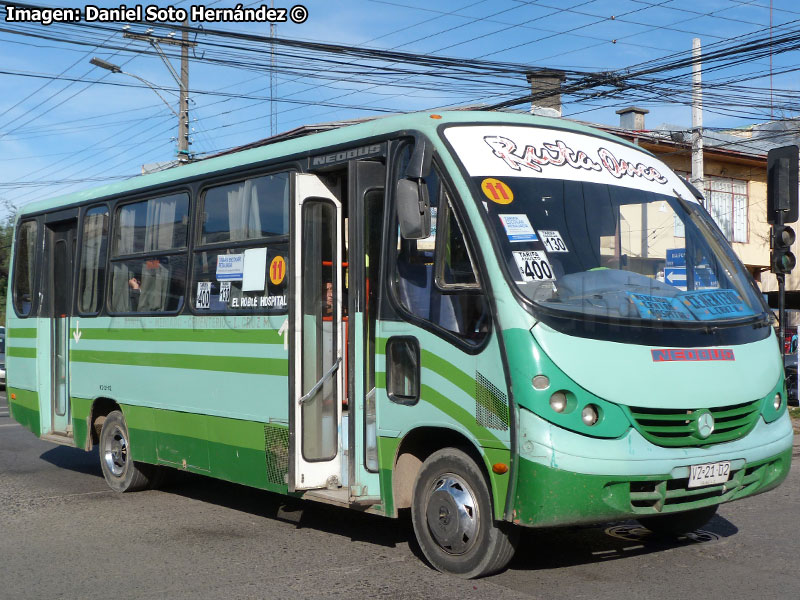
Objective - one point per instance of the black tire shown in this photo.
(675, 524)
(451, 511)
(122, 474)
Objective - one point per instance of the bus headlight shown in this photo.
(540, 382)
(558, 402)
(774, 404)
(589, 415)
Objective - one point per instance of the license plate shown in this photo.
(709, 474)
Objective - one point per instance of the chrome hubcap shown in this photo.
(115, 452)
(452, 514)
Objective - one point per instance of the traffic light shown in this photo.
(782, 188)
(782, 260)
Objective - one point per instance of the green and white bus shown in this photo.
(494, 320)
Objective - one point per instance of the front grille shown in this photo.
(678, 427)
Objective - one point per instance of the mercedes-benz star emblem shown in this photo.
(705, 424)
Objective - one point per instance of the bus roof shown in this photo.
(311, 138)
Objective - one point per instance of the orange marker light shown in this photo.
(13, 396)
(436, 116)
(500, 468)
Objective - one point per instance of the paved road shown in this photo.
(64, 534)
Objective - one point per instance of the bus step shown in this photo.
(56, 438)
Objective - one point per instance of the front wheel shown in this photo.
(452, 516)
(120, 471)
(675, 524)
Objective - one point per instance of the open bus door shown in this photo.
(60, 250)
(317, 370)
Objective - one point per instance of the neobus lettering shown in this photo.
(346, 155)
(673, 354)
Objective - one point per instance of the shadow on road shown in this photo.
(541, 549)
(352, 524)
(73, 459)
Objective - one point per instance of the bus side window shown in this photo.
(435, 278)
(140, 281)
(24, 268)
(93, 260)
(237, 218)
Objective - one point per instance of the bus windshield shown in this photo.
(606, 250)
(631, 245)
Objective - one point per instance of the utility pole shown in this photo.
(184, 156)
(697, 116)
(183, 126)
(273, 80)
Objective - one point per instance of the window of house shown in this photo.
(93, 260)
(434, 278)
(240, 262)
(148, 261)
(24, 268)
(726, 200)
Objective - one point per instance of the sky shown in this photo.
(67, 125)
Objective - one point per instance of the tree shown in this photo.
(6, 241)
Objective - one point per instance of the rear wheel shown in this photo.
(452, 515)
(675, 524)
(121, 472)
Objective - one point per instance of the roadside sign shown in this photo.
(676, 257)
(676, 276)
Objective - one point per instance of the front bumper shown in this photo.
(566, 478)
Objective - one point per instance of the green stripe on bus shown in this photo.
(80, 408)
(449, 371)
(24, 408)
(20, 352)
(387, 450)
(235, 450)
(460, 415)
(226, 364)
(26, 417)
(21, 332)
(25, 398)
(439, 366)
(232, 336)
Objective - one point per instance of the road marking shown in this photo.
(10, 425)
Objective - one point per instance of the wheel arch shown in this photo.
(102, 406)
(416, 446)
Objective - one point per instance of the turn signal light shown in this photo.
(500, 468)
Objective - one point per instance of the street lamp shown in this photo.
(103, 64)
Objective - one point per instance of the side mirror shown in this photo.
(413, 209)
(411, 194)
